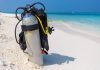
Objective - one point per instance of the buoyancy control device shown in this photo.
(34, 34)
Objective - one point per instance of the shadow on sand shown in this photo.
(54, 58)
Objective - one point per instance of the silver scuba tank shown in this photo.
(32, 40)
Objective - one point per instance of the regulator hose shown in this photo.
(26, 9)
(15, 31)
(22, 14)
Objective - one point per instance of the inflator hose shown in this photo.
(45, 31)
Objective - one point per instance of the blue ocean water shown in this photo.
(91, 21)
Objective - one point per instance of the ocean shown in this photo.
(90, 21)
(86, 20)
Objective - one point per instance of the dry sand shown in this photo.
(71, 48)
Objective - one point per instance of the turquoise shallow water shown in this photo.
(91, 21)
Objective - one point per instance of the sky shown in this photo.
(53, 6)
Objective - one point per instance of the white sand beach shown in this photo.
(71, 47)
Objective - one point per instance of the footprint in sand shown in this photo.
(3, 38)
(6, 66)
(0, 23)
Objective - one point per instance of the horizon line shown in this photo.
(81, 13)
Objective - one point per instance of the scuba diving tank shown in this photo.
(32, 38)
